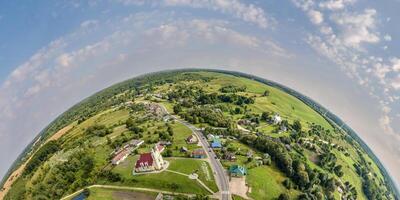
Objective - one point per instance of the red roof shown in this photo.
(120, 155)
(199, 152)
(144, 159)
(160, 147)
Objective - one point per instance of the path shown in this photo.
(127, 188)
(198, 180)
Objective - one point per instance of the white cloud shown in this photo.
(387, 38)
(246, 12)
(64, 60)
(395, 64)
(357, 28)
(316, 17)
(89, 23)
(335, 4)
(396, 83)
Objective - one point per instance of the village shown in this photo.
(235, 172)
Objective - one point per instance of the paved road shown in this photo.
(220, 175)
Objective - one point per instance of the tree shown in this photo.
(170, 131)
(338, 170)
(173, 187)
(284, 196)
(86, 192)
(297, 126)
(266, 93)
(167, 153)
(177, 108)
(265, 116)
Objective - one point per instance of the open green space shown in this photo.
(161, 181)
(266, 183)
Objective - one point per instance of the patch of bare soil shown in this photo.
(238, 186)
(130, 195)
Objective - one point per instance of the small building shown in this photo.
(244, 122)
(160, 147)
(165, 143)
(192, 139)
(199, 153)
(121, 156)
(210, 136)
(249, 154)
(229, 156)
(216, 143)
(237, 170)
(136, 143)
(184, 149)
(282, 128)
(277, 119)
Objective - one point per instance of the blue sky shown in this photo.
(342, 53)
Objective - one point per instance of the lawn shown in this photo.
(266, 183)
(181, 132)
(201, 167)
(161, 181)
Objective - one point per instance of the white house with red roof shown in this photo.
(121, 156)
(151, 161)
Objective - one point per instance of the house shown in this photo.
(160, 147)
(210, 136)
(151, 161)
(237, 170)
(277, 119)
(282, 128)
(121, 156)
(154, 109)
(192, 139)
(199, 153)
(249, 154)
(184, 149)
(165, 143)
(244, 122)
(136, 143)
(229, 156)
(216, 143)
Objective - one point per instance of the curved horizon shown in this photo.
(334, 121)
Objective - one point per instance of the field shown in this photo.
(161, 181)
(200, 167)
(266, 183)
(280, 102)
(114, 194)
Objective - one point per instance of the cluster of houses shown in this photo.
(122, 153)
(154, 109)
(275, 120)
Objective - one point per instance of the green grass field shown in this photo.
(266, 183)
(161, 181)
(200, 167)
(287, 106)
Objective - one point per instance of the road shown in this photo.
(220, 175)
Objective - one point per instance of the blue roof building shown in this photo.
(216, 143)
(237, 170)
